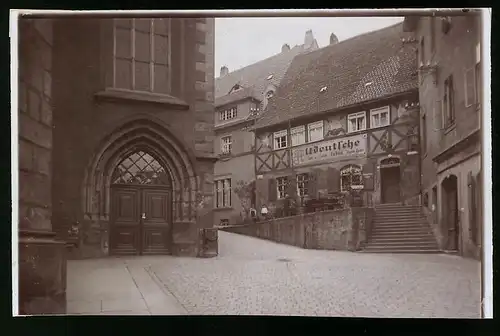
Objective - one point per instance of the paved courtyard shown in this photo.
(252, 276)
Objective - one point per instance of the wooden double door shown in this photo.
(141, 220)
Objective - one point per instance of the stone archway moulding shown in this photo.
(151, 136)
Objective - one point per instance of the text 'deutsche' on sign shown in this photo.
(330, 150)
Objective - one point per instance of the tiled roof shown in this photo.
(238, 95)
(363, 68)
(255, 76)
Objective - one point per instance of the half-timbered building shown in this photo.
(345, 117)
(240, 95)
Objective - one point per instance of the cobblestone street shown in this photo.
(252, 276)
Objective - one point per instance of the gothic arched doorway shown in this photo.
(390, 177)
(141, 206)
(450, 219)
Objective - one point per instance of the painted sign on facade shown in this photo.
(330, 150)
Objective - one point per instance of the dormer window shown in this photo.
(269, 94)
(228, 114)
(235, 88)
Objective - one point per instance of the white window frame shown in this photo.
(226, 143)
(278, 137)
(314, 127)
(223, 190)
(228, 114)
(281, 187)
(356, 116)
(298, 135)
(302, 181)
(377, 112)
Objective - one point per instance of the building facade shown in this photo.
(351, 122)
(109, 158)
(450, 79)
(240, 96)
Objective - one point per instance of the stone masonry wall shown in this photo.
(42, 262)
(79, 114)
(345, 229)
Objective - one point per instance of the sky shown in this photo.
(243, 41)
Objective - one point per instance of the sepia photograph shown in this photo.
(332, 163)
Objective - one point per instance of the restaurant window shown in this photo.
(350, 176)
(302, 182)
(315, 131)
(281, 186)
(380, 117)
(141, 55)
(223, 193)
(280, 139)
(298, 135)
(356, 122)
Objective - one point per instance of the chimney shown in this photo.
(309, 39)
(333, 39)
(285, 48)
(224, 71)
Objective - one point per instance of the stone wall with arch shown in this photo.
(132, 136)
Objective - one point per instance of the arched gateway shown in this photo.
(140, 184)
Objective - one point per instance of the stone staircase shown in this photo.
(400, 229)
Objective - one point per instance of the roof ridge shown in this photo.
(261, 61)
(351, 38)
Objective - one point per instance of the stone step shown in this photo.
(399, 209)
(405, 251)
(389, 216)
(399, 221)
(401, 215)
(409, 240)
(392, 236)
(396, 206)
(399, 224)
(401, 229)
(402, 244)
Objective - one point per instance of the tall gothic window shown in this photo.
(140, 168)
(142, 55)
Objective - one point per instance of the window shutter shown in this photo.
(292, 186)
(333, 180)
(261, 191)
(369, 176)
(272, 190)
(469, 87)
(312, 184)
(438, 115)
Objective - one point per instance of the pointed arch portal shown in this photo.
(140, 183)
